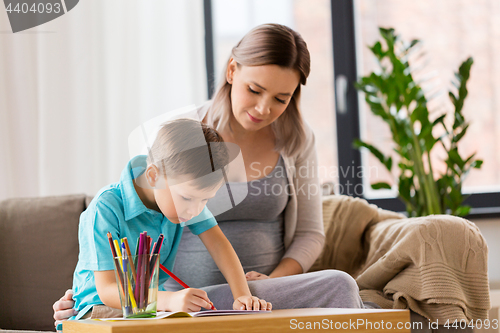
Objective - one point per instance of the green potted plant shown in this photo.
(394, 95)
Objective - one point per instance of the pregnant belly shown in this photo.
(259, 246)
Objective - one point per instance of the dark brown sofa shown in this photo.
(38, 254)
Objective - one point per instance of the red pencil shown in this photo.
(173, 276)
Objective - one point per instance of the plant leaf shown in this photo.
(377, 50)
(381, 185)
(377, 153)
(388, 163)
(455, 158)
(477, 164)
(440, 119)
(463, 210)
(460, 135)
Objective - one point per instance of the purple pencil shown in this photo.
(137, 290)
(143, 257)
(146, 264)
(156, 250)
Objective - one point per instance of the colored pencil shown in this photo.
(142, 257)
(129, 254)
(137, 247)
(118, 252)
(146, 277)
(140, 272)
(115, 259)
(128, 288)
(173, 276)
(156, 250)
(110, 240)
(147, 255)
(127, 283)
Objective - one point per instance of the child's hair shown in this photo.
(269, 44)
(183, 148)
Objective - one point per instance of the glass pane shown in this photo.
(232, 19)
(451, 31)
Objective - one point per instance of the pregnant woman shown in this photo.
(277, 230)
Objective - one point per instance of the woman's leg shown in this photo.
(322, 289)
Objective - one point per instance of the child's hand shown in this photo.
(253, 275)
(251, 303)
(189, 300)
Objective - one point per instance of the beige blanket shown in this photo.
(434, 265)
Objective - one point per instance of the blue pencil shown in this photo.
(125, 268)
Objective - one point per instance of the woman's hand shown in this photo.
(251, 303)
(63, 308)
(187, 300)
(253, 275)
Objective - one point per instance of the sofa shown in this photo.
(39, 251)
(38, 254)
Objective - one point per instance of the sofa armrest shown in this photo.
(38, 254)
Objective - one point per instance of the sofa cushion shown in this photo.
(38, 254)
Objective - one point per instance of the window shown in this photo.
(450, 32)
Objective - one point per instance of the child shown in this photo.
(159, 194)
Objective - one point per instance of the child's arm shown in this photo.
(226, 259)
(107, 289)
(191, 299)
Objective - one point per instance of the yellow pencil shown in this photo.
(119, 254)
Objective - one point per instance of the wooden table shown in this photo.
(293, 320)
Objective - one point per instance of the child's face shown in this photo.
(183, 201)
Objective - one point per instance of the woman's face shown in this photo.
(260, 94)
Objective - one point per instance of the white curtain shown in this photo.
(73, 89)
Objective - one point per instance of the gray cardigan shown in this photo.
(304, 234)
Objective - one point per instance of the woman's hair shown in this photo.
(187, 147)
(269, 44)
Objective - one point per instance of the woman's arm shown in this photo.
(226, 259)
(287, 266)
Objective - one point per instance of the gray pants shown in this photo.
(322, 289)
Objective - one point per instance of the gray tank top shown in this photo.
(254, 227)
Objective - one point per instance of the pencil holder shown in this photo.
(137, 280)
